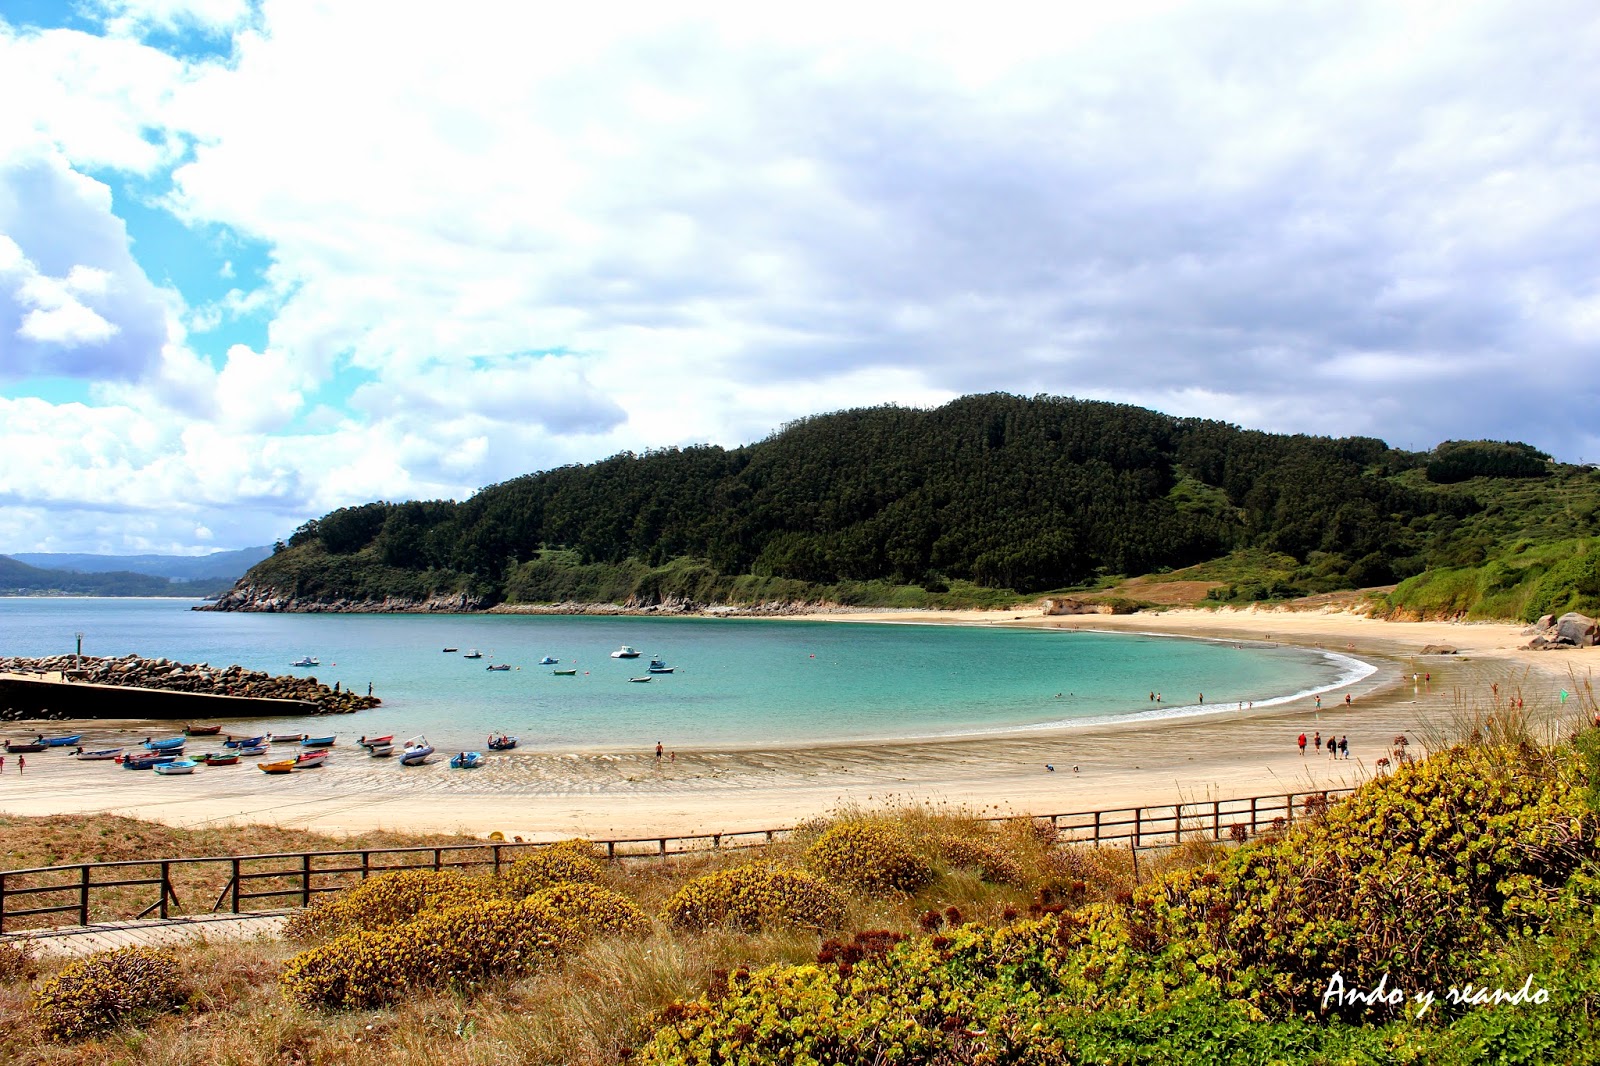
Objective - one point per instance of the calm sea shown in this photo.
(737, 682)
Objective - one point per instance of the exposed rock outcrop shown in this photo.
(1571, 630)
(244, 597)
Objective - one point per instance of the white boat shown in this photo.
(103, 753)
(625, 652)
(547, 661)
(253, 749)
(307, 660)
(472, 653)
(659, 667)
(417, 751)
(636, 679)
(310, 760)
(380, 751)
(179, 766)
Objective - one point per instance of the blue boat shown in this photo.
(171, 744)
(318, 742)
(659, 667)
(145, 762)
(177, 766)
(61, 742)
(416, 752)
(547, 661)
(253, 749)
(245, 742)
(466, 760)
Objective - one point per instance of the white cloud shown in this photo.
(538, 235)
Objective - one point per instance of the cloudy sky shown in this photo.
(263, 259)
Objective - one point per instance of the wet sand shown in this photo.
(550, 794)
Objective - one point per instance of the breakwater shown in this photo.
(69, 686)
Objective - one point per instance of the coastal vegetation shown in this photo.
(1448, 912)
(982, 502)
(20, 579)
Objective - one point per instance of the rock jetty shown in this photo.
(131, 671)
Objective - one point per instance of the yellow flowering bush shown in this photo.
(122, 987)
(385, 900)
(870, 856)
(755, 897)
(568, 860)
(371, 968)
(578, 911)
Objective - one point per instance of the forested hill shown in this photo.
(987, 492)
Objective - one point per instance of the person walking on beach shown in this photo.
(1347, 699)
(1319, 703)
(22, 762)
(658, 751)
(1302, 743)
(1344, 747)
(1316, 741)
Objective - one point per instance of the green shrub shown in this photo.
(579, 911)
(755, 897)
(16, 961)
(122, 987)
(995, 864)
(870, 856)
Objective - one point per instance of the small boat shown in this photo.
(170, 744)
(317, 742)
(310, 760)
(252, 751)
(498, 666)
(625, 652)
(145, 762)
(472, 653)
(450, 649)
(103, 753)
(565, 673)
(283, 766)
(638, 679)
(23, 748)
(659, 667)
(177, 766)
(373, 742)
(245, 742)
(307, 660)
(502, 743)
(547, 661)
(380, 751)
(60, 742)
(201, 730)
(417, 751)
(217, 758)
(466, 760)
(286, 738)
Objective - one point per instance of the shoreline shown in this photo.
(547, 795)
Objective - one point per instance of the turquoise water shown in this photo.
(739, 682)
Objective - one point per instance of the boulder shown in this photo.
(1577, 629)
(1438, 649)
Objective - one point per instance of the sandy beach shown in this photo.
(551, 794)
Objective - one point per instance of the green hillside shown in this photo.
(984, 500)
(19, 579)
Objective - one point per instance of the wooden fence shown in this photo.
(112, 890)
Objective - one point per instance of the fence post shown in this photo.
(496, 848)
(236, 872)
(1288, 802)
(166, 886)
(83, 895)
(1096, 828)
(366, 864)
(663, 845)
(438, 859)
(1138, 815)
(611, 849)
(1216, 819)
(2, 902)
(305, 879)
(1255, 825)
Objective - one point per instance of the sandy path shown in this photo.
(550, 793)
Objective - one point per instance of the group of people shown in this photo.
(1338, 747)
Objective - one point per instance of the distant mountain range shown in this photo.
(189, 577)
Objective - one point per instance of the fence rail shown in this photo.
(87, 890)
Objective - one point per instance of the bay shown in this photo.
(737, 683)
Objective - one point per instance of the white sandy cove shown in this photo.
(629, 794)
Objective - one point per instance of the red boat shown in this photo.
(201, 730)
(373, 742)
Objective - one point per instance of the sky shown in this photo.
(262, 259)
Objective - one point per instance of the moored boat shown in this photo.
(659, 667)
(417, 751)
(245, 742)
(176, 766)
(625, 652)
(286, 738)
(59, 742)
(472, 653)
(466, 760)
(317, 742)
(372, 742)
(218, 758)
(498, 666)
(450, 649)
(95, 756)
(639, 679)
(380, 751)
(547, 661)
(24, 748)
(282, 766)
(145, 762)
(307, 660)
(310, 760)
(565, 673)
(252, 751)
(169, 744)
(201, 730)
(502, 743)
